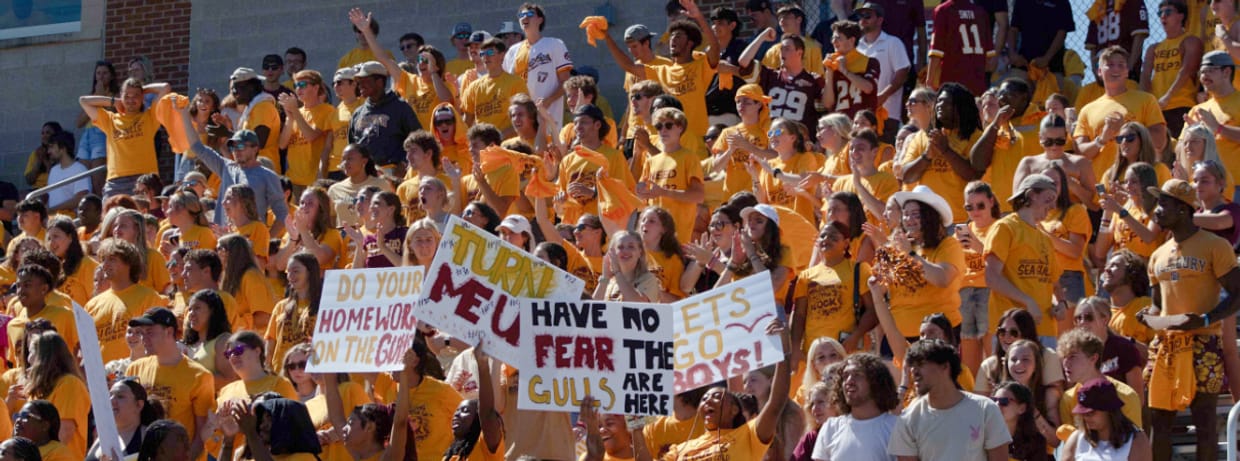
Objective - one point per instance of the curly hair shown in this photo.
(1135, 274)
(882, 385)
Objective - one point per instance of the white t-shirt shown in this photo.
(546, 58)
(59, 195)
(851, 439)
(963, 432)
(891, 56)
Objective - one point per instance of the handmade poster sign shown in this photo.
(619, 353)
(366, 319)
(474, 281)
(721, 333)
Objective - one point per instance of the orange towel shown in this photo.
(538, 186)
(494, 157)
(1099, 8)
(167, 111)
(1173, 380)
(591, 156)
(615, 201)
(596, 28)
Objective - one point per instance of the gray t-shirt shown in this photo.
(266, 183)
(963, 432)
(851, 439)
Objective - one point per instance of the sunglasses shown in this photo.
(526, 14)
(1013, 332)
(775, 132)
(1084, 318)
(301, 84)
(238, 147)
(717, 225)
(1126, 138)
(979, 206)
(1002, 401)
(446, 121)
(421, 59)
(272, 67)
(583, 227)
(461, 36)
(664, 126)
(488, 52)
(636, 97)
(27, 415)
(865, 15)
(1048, 142)
(295, 365)
(235, 351)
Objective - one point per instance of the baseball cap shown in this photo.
(369, 68)
(246, 136)
(1097, 395)
(344, 73)
(1178, 189)
(1033, 181)
(509, 27)
(273, 59)
(1218, 58)
(479, 36)
(763, 209)
(462, 28)
(758, 5)
(516, 223)
(586, 70)
(244, 73)
(589, 110)
(155, 316)
(443, 113)
(637, 32)
(876, 8)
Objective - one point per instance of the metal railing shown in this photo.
(1233, 417)
(65, 182)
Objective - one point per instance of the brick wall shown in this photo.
(158, 30)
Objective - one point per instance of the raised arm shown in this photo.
(622, 59)
(492, 426)
(768, 418)
(399, 438)
(361, 21)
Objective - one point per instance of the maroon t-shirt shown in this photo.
(1119, 28)
(792, 96)
(1119, 355)
(848, 98)
(962, 39)
(901, 18)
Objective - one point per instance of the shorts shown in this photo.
(93, 145)
(1073, 283)
(1207, 362)
(975, 312)
(121, 185)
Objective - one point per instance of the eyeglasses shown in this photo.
(1084, 318)
(1048, 142)
(27, 415)
(295, 365)
(979, 206)
(1126, 138)
(272, 67)
(1002, 401)
(235, 351)
(775, 132)
(526, 14)
(301, 84)
(1013, 332)
(1166, 12)
(488, 52)
(718, 225)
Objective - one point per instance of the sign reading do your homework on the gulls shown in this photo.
(366, 319)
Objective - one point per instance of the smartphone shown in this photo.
(1100, 188)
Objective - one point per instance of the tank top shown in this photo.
(1167, 63)
(1103, 452)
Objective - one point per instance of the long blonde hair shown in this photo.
(410, 259)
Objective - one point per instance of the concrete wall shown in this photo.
(45, 75)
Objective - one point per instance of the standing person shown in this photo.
(930, 428)
(1120, 24)
(247, 357)
(791, 20)
(422, 90)
(121, 265)
(1169, 70)
(1190, 269)
(893, 65)
(541, 62)
(52, 375)
(382, 248)
(867, 423)
(1126, 281)
(1121, 358)
(939, 157)
(983, 209)
(1108, 434)
(272, 70)
(362, 53)
(795, 92)
(382, 123)
(460, 42)
(961, 46)
(186, 388)
(308, 135)
(260, 115)
(852, 80)
(1099, 121)
(360, 171)
(343, 81)
(244, 168)
(294, 317)
(486, 99)
(130, 132)
(1036, 35)
(672, 179)
(1020, 261)
(689, 75)
(1217, 72)
(64, 166)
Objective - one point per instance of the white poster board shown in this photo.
(366, 321)
(97, 382)
(721, 333)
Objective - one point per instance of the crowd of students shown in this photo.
(1048, 263)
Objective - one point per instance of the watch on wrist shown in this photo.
(777, 172)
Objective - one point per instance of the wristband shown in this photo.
(1206, 318)
(776, 173)
(1124, 214)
